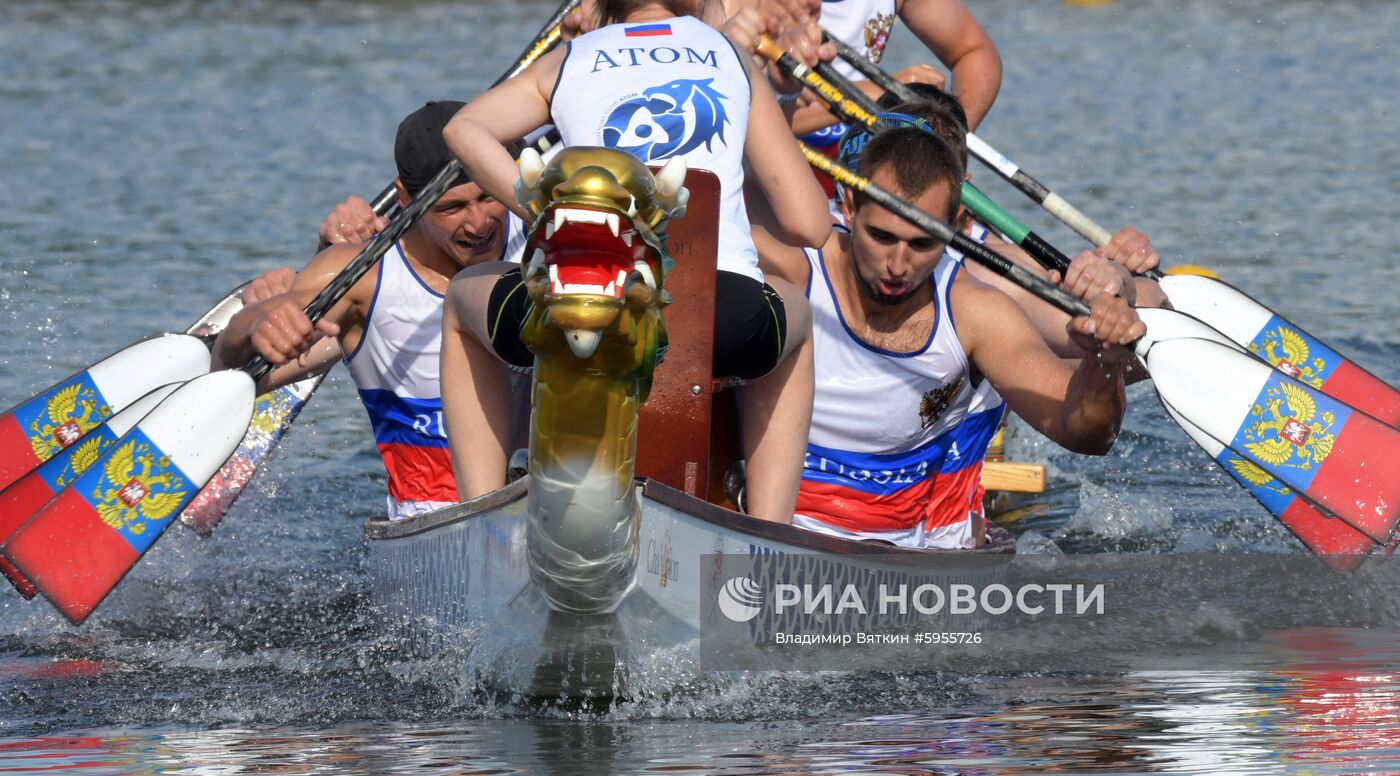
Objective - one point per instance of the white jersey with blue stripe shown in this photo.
(661, 90)
(395, 369)
(889, 455)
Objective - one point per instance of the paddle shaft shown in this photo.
(1052, 202)
(378, 245)
(969, 247)
(854, 106)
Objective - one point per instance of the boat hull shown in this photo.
(457, 581)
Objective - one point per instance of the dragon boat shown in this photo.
(589, 570)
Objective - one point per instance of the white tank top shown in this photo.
(670, 88)
(864, 25)
(395, 368)
(885, 454)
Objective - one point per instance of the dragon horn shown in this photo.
(531, 168)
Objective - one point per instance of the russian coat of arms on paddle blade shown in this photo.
(72, 411)
(1288, 351)
(139, 488)
(1286, 433)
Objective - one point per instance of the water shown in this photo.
(158, 153)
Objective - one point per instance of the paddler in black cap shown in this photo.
(388, 328)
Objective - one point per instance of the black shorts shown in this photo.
(750, 324)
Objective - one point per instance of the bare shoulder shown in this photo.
(982, 310)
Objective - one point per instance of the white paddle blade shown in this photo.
(56, 418)
(1219, 304)
(1165, 324)
(1344, 460)
(1283, 344)
(85, 540)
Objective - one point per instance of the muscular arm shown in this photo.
(478, 133)
(1081, 409)
(776, 257)
(776, 167)
(954, 36)
(278, 329)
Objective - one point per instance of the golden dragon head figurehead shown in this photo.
(596, 263)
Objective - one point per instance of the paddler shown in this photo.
(388, 328)
(904, 340)
(593, 91)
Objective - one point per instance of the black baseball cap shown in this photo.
(419, 150)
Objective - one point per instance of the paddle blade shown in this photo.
(1341, 546)
(272, 416)
(1341, 459)
(36, 430)
(26, 497)
(85, 540)
(1283, 344)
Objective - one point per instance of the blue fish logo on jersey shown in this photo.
(668, 120)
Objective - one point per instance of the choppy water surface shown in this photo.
(158, 153)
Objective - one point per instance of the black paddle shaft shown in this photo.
(847, 94)
(258, 366)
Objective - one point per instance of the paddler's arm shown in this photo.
(478, 134)
(776, 257)
(277, 327)
(774, 165)
(958, 40)
(1081, 409)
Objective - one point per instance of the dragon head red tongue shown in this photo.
(596, 259)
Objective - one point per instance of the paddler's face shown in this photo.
(467, 225)
(891, 258)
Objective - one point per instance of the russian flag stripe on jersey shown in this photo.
(871, 492)
(403, 420)
(648, 30)
(418, 473)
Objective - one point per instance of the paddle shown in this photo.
(85, 540)
(39, 428)
(1240, 317)
(277, 410)
(1337, 460)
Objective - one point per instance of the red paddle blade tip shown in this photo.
(81, 545)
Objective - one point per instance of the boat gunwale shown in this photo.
(384, 528)
(379, 528)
